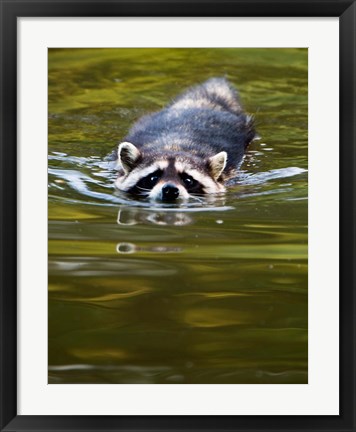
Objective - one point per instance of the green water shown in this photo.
(214, 293)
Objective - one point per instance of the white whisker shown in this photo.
(143, 189)
(196, 198)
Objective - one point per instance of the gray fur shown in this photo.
(206, 120)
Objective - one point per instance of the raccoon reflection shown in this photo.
(190, 148)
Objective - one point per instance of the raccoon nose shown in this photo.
(169, 192)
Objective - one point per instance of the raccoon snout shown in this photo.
(169, 192)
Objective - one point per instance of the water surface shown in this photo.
(209, 292)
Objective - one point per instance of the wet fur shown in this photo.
(203, 121)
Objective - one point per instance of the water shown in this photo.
(214, 291)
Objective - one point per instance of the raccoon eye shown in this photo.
(153, 179)
(188, 180)
(150, 181)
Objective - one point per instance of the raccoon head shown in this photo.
(168, 176)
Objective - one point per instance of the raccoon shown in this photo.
(189, 148)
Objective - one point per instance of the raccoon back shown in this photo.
(204, 120)
(215, 93)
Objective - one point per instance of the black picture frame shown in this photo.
(10, 11)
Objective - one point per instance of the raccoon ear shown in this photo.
(128, 156)
(217, 164)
